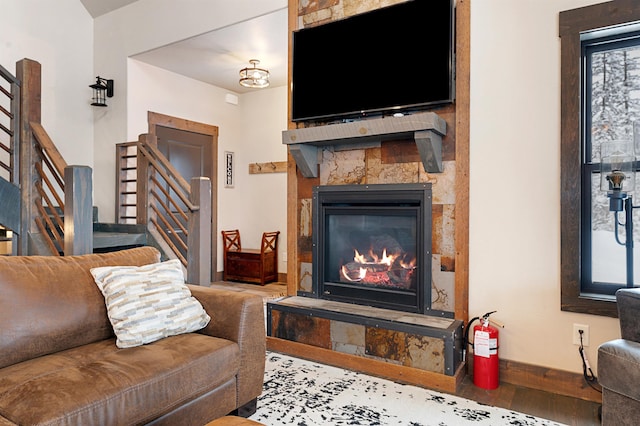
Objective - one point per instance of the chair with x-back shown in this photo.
(258, 266)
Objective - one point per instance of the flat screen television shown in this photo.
(398, 58)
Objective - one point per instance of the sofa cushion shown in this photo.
(148, 303)
(100, 384)
(51, 303)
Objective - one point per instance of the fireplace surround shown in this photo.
(372, 245)
(417, 340)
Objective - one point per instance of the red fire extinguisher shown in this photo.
(486, 371)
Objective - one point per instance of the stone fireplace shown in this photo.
(353, 195)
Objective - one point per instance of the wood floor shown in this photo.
(562, 409)
(559, 408)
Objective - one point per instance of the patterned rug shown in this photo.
(305, 393)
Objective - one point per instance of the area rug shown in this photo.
(304, 393)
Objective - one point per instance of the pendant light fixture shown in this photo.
(254, 77)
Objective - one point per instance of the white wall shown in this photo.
(252, 129)
(515, 183)
(39, 30)
(258, 202)
(136, 28)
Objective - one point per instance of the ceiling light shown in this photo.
(254, 78)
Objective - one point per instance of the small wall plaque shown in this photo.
(228, 177)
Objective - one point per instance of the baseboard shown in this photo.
(547, 379)
(516, 373)
(397, 373)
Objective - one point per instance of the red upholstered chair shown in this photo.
(258, 266)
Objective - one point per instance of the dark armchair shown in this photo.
(619, 365)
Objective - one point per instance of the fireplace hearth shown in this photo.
(372, 245)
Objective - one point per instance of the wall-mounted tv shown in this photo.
(398, 58)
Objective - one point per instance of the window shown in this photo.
(611, 105)
(587, 286)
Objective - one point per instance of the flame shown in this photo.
(373, 258)
(408, 265)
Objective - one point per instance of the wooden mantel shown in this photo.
(427, 129)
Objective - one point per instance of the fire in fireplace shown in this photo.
(372, 245)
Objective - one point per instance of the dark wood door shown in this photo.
(188, 152)
(191, 148)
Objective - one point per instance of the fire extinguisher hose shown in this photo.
(466, 333)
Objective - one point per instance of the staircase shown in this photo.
(46, 205)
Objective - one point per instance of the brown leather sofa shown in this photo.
(619, 365)
(59, 364)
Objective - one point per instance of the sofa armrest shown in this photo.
(238, 317)
(5, 422)
(619, 367)
(628, 300)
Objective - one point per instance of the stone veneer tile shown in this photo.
(442, 286)
(373, 164)
(299, 328)
(348, 349)
(306, 221)
(393, 173)
(306, 279)
(399, 151)
(425, 353)
(436, 228)
(342, 167)
(447, 249)
(321, 16)
(316, 12)
(442, 184)
(307, 6)
(386, 344)
(354, 7)
(323, 4)
(448, 114)
(343, 332)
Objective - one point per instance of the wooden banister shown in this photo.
(169, 173)
(177, 212)
(49, 148)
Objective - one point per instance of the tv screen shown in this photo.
(394, 59)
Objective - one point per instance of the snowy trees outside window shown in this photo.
(612, 80)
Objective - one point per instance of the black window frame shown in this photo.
(611, 40)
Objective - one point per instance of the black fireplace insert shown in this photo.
(372, 245)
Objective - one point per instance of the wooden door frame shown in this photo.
(155, 119)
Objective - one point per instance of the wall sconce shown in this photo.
(102, 89)
(617, 178)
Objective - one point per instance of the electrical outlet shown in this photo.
(585, 334)
(284, 256)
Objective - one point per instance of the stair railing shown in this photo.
(49, 184)
(9, 154)
(9, 125)
(51, 190)
(177, 212)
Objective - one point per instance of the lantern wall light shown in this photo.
(617, 178)
(102, 89)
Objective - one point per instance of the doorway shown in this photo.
(192, 148)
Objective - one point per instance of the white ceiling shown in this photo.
(217, 57)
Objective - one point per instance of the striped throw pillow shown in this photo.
(148, 303)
